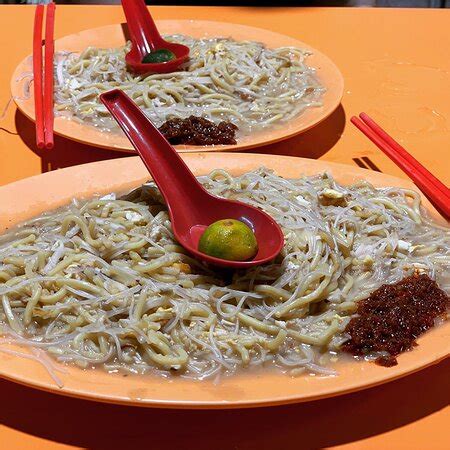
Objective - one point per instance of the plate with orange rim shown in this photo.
(113, 36)
(30, 197)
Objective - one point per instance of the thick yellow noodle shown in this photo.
(242, 82)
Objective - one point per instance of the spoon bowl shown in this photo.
(191, 208)
(146, 39)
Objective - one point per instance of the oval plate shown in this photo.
(31, 196)
(112, 36)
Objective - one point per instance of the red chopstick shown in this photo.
(403, 152)
(37, 75)
(43, 75)
(48, 75)
(434, 190)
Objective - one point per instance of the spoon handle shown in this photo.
(142, 28)
(176, 182)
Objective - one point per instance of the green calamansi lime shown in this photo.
(158, 56)
(229, 239)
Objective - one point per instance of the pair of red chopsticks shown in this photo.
(435, 190)
(43, 75)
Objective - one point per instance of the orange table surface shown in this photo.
(396, 67)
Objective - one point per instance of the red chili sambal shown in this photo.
(198, 131)
(393, 316)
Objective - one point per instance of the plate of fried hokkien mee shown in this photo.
(99, 300)
(242, 87)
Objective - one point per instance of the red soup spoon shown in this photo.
(191, 208)
(147, 42)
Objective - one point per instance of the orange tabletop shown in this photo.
(396, 68)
